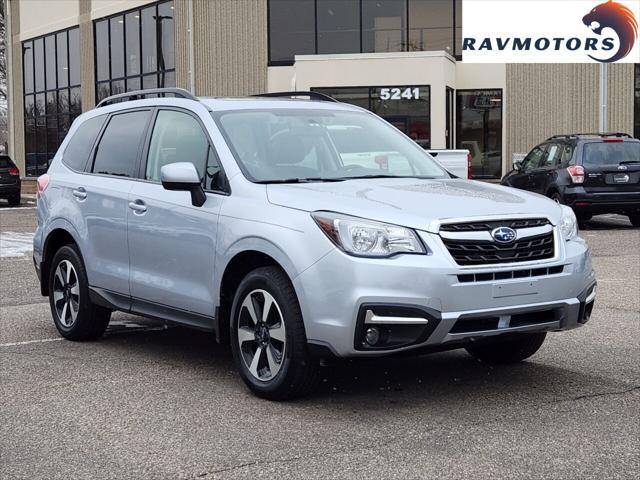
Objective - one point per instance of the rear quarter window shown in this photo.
(79, 147)
(5, 162)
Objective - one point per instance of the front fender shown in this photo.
(294, 248)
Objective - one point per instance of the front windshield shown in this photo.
(287, 145)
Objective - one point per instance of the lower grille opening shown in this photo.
(470, 325)
(532, 318)
(475, 325)
(491, 276)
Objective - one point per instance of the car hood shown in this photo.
(414, 203)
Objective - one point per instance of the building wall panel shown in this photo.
(621, 98)
(87, 72)
(181, 14)
(16, 101)
(41, 17)
(549, 99)
(230, 47)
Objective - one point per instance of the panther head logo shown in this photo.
(618, 17)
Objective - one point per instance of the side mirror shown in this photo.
(517, 165)
(183, 176)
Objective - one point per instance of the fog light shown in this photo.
(372, 335)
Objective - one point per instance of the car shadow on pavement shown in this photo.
(607, 222)
(451, 378)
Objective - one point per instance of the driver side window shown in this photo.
(177, 137)
(532, 160)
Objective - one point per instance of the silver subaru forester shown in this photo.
(296, 230)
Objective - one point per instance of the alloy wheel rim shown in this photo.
(261, 335)
(66, 293)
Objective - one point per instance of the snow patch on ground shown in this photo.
(13, 244)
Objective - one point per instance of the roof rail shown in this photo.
(142, 94)
(311, 95)
(602, 134)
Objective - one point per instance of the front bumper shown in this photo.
(337, 291)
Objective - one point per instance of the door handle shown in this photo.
(80, 193)
(138, 206)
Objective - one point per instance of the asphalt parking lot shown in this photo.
(154, 401)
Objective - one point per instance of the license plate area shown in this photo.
(514, 289)
(621, 178)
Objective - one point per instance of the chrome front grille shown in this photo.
(471, 243)
(488, 226)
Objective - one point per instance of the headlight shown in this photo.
(366, 238)
(568, 223)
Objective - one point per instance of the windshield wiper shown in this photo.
(301, 180)
(360, 177)
(627, 162)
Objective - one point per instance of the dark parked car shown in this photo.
(590, 172)
(9, 180)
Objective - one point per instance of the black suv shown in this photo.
(9, 180)
(593, 173)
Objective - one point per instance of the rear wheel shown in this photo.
(14, 200)
(583, 218)
(75, 317)
(267, 337)
(634, 218)
(512, 350)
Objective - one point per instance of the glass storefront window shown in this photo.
(303, 27)
(406, 107)
(479, 130)
(135, 49)
(292, 24)
(431, 25)
(51, 75)
(384, 25)
(338, 26)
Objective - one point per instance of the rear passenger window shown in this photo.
(79, 147)
(118, 148)
(177, 137)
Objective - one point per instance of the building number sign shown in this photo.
(397, 93)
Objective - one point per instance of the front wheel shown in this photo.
(268, 340)
(513, 350)
(75, 317)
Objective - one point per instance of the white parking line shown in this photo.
(13, 244)
(17, 208)
(28, 342)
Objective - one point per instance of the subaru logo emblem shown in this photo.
(504, 234)
(622, 167)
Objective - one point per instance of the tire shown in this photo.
(635, 219)
(583, 218)
(513, 350)
(14, 200)
(556, 197)
(262, 346)
(75, 317)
